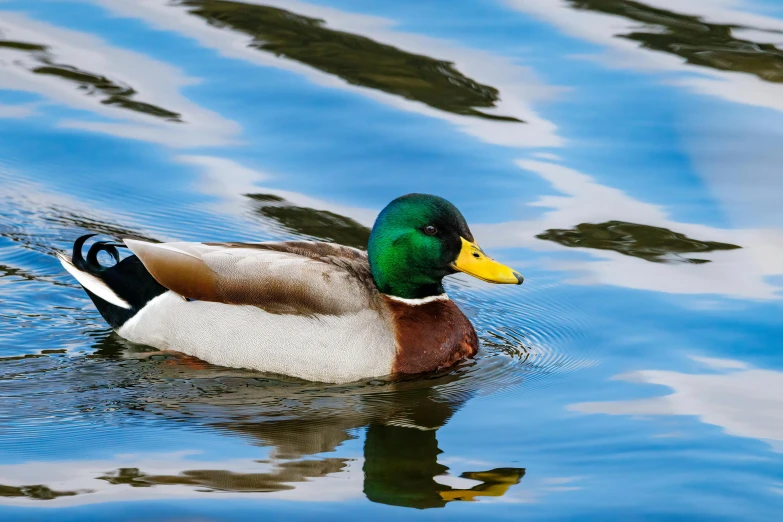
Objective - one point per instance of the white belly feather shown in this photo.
(327, 348)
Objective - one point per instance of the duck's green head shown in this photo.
(419, 239)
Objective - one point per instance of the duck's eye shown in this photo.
(430, 230)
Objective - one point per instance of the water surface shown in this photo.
(623, 155)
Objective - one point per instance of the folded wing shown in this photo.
(296, 277)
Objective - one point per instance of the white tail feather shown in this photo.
(93, 284)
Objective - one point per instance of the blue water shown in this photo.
(623, 155)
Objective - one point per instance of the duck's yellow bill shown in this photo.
(473, 261)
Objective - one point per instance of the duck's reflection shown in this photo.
(401, 450)
(299, 422)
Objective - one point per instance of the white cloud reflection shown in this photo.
(744, 401)
(17, 111)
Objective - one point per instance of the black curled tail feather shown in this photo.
(91, 265)
(128, 279)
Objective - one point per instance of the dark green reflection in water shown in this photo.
(356, 59)
(37, 492)
(21, 46)
(92, 84)
(320, 224)
(690, 37)
(656, 244)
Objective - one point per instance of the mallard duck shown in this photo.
(313, 310)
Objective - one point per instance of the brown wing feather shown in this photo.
(298, 277)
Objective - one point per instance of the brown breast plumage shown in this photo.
(430, 336)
